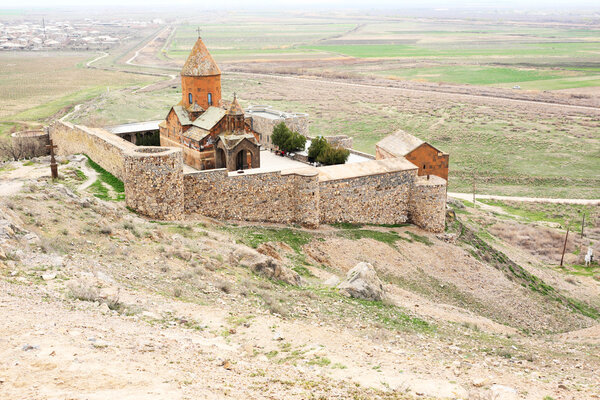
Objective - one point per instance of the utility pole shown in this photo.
(565, 246)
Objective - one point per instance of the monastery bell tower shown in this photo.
(200, 79)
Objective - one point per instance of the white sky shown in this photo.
(303, 4)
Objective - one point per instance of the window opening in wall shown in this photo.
(190, 98)
(210, 99)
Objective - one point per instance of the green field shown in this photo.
(36, 86)
(529, 78)
(478, 53)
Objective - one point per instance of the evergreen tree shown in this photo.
(287, 140)
(316, 147)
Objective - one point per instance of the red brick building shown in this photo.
(430, 160)
(212, 133)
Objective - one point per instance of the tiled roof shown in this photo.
(196, 133)
(200, 62)
(400, 143)
(210, 118)
(231, 140)
(195, 108)
(182, 114)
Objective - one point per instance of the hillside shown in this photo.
(99, 302)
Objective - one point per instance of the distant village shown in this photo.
(84, 34)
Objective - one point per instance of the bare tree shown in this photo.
(18, 148)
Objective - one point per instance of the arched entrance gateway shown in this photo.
(240, 160)
(237, 152)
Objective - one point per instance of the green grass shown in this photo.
(581, 49)
(389, 238)
(487, 75)
(562, 214)
(105, 180)
(34, 86)
(353, 232)
(254, 236)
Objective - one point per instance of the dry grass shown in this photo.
(545, 243)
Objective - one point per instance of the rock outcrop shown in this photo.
(362, 282)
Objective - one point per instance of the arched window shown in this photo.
(210, 99)
(190, 98)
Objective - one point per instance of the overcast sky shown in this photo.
(304, 4)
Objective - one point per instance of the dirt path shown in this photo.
(469, 197)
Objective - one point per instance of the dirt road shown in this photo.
(469, 197)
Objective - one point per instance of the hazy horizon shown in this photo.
(311, 4)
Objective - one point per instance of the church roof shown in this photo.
(196, 133)
(195, 108)
(209, 118)
(400, 143)
(235, 108)
(231, 140)
(182, 114)
(200, 62)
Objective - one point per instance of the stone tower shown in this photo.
(200, 80)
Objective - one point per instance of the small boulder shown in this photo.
(49, 276)
(502, 392)
(479, 382)
(265, 266)
(104, 309)
(270, 268)
(362, 282)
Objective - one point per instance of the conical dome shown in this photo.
(200, 62)
(235, 108)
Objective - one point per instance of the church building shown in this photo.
(213, 133)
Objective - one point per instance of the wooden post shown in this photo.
(564, 247)
(582, 224)
(53, 165)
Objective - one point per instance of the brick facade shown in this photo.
(430, 161)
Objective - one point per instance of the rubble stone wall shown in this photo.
(154, 181)
(377, 199)
(290, 197)
(100, 145)
(35, 140)
(428, 203)
(156, 186)
(264, 125)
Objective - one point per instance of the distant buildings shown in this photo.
(85, 34)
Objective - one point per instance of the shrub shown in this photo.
(333, 155)
(320, 150)
(316, 147)
(287, 140)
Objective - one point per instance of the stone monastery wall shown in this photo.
(273, 196)
(101, 146)
(379, 191)
(376, 199)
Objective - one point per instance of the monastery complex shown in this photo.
(216, 160)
